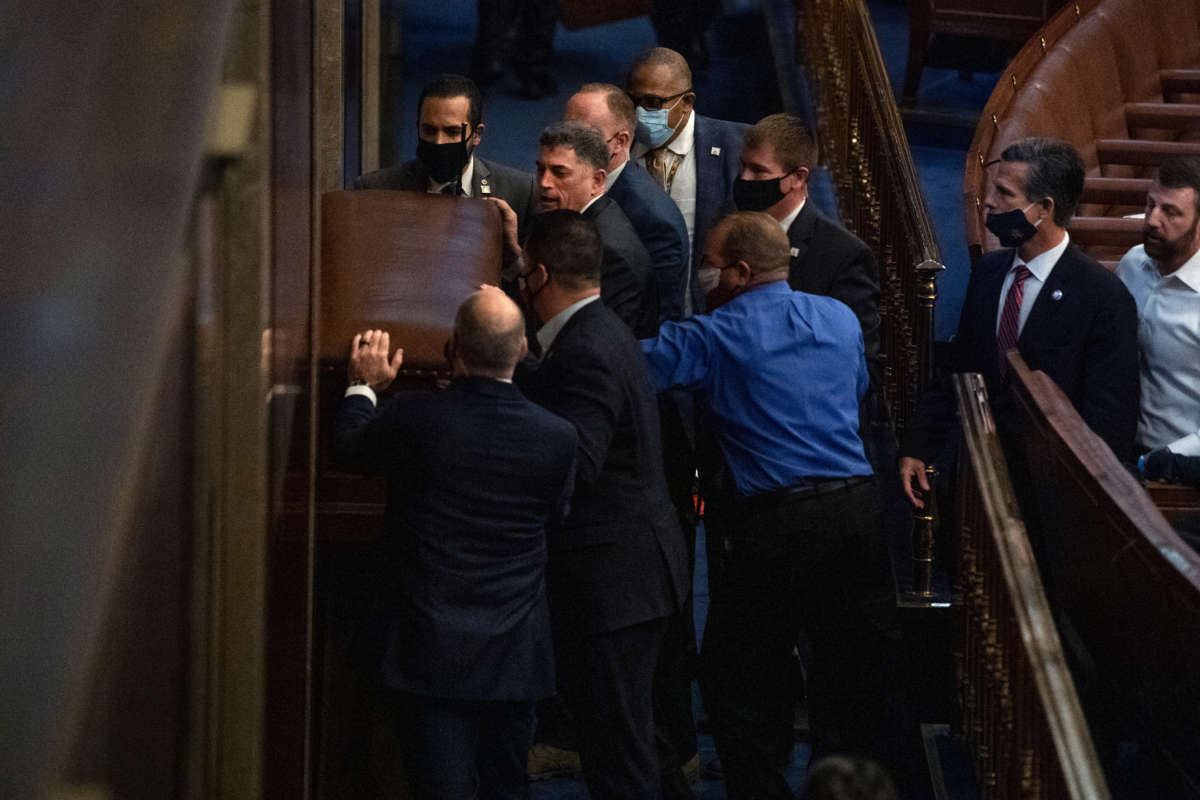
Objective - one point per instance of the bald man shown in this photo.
(475, 473)
(693, 157)
(654, 217)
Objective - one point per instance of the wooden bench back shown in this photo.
(1125, 587)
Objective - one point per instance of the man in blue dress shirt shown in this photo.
(782, 373)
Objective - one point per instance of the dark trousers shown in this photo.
(818, 564)
(464, 749)
(606, 680)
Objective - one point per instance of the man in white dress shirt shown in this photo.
(1163, 275)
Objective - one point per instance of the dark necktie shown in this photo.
(1009, 330)
(451, 188)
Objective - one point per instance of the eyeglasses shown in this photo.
(652, 102)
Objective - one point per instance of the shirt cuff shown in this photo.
(365, 391)
(1187, 446)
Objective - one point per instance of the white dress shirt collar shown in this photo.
(787, 221)
(549, 332)
(613, 174)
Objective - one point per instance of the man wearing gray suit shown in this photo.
(449, 130)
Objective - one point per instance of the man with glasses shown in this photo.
(449, 129)
(693, 157)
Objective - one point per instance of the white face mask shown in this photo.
(708, 278)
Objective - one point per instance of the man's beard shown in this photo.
(1169, 250)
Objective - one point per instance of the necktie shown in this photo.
(656, 165)
(451, 188)
(1009, 330)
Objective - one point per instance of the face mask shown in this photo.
(1011, 227)
(445, 162)
(652, 127)
(708, 278)
(757, 195)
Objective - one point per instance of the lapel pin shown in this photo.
(1056, 294)
(484, 188)
(795, 252)
(716, 151)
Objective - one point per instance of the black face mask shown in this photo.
(1011, 227)
(445, 162)
(756, 195)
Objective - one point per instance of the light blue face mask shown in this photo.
(652, 127)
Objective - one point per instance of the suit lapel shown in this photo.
(1044, 308)
(801, 233)
(481, 185)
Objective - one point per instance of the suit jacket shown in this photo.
(829, 260)
(660, 226)
(627, 274)
(619, 557)
(474, 473)
(1081, 331)
(718, 148)
(489, 179)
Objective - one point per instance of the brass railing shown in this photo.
(1020, 713)
(864, 146)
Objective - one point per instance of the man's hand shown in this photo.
(913, 469)
(369, 359)
(508, 220)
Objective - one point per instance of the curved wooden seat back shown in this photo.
(1125, 587)
(1109, 76)
(402, 262)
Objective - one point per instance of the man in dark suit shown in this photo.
(656, 219)
(826, 259)
(572, 162)
(474, 474)
(1067, 315)
(694, 158)
(618, 564)
(449, 130)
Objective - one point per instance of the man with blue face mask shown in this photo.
(1066, 314)
(693, 157)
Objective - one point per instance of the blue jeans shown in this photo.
(466, 749)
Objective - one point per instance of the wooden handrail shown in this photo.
(864, 145)
(1021, 713)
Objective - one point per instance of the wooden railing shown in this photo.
(864, 146)
(1020, 713)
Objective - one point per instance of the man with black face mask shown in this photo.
(1066, 314)
(449, 129)
(826, 259)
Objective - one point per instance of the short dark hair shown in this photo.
(756, 238)
(450, 85)
(586, 141)
(619, 104)
(663, 56)
(568, 246)
(1180, 172)
(1055, 171)
(848, 778)
(788, 136)
(487, 342)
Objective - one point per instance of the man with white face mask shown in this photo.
(693, 157)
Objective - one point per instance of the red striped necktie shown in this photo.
(1009, 330)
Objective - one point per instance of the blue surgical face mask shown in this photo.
(652, 127)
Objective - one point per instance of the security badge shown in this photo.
(484, 186)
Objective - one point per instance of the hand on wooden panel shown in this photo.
(369, 359)
(508, 219)
(910, 469)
